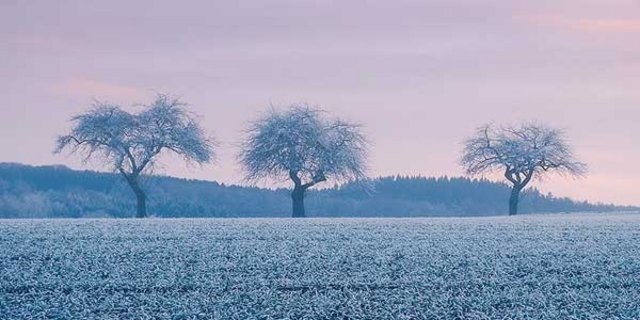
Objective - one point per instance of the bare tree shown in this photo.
(131, 143)
(301, 145)
(522, 153)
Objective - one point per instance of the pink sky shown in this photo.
(421, 75)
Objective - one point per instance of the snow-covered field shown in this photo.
(529, 267)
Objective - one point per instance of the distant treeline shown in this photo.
(57, 192)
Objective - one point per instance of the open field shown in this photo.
(528, 267)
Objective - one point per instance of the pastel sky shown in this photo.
(420, 75)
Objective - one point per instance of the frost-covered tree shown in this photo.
(521, 153)
(131, 143)
(299, 144)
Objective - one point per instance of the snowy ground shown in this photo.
(529, 267)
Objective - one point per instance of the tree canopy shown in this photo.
(300, 140)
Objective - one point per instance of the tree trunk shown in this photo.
(141, 197)
(513, 200)
(297, 196)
